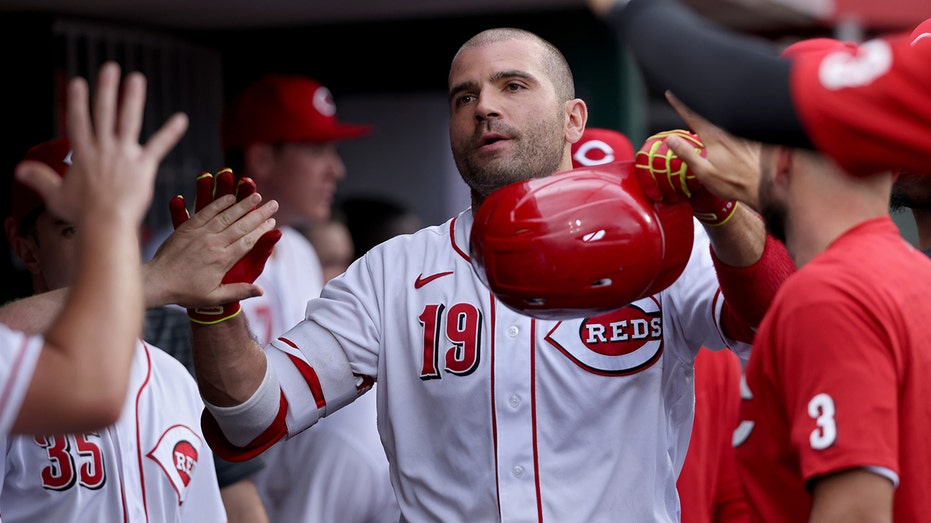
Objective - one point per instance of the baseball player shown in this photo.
(109, 194)
(742, 86)
(488, 414)
(834, 416)
(831, 405)
(153, 463)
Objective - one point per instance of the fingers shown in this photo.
(229, 292)
(224, 183)
(105, 100)
(687, 153)
(164, 140)
(203, 191)
(267, 241)
(78, 120)
(132, 106)
(253, 234)
(244, 188)
(178, 211)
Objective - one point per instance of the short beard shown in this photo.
(540, 155)
(774, 213)
(774, 217)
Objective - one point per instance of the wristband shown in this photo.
(214, 315)
(711, 210)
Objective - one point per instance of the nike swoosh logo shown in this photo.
(421, 281)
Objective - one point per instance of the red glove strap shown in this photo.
(711, 210)
(214, 315)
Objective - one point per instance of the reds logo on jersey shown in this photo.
(185, 460)
(177, 452)
(624, 341)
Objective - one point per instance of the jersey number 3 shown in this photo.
(821, 409)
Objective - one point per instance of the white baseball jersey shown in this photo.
(291, 276)
(19, 353)
(490, 415)
(152, 465)
(339, 473)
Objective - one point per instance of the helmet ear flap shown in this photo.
(579, 243)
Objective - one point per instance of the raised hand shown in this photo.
(90, 344)
(729, 167)
(249, 230)
(111, 172)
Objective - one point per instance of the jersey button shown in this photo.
(514, 402)
(513, 331)
(518, 471)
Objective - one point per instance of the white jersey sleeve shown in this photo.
(18, 357)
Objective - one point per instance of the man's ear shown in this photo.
(576, 118)
(25, 247)
(259, 160)
(785, 157)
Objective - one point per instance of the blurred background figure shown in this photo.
(333, 243)
(709, 484)
(374, 219)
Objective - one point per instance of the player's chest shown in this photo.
(456, 335)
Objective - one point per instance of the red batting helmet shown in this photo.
(579, 243)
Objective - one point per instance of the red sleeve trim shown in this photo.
(226, 450)
(309, 375)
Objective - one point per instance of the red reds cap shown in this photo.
(285, 108)
(818, 45)
(56, 154)
(601, 146)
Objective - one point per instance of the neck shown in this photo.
(923, 225)
(824, 210)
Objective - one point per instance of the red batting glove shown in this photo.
(249, 267)
(664, 177)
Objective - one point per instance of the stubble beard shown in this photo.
(774, 212)
(538, 154)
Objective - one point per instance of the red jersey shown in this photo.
(709, 486)
(869, 109)
(838, 377)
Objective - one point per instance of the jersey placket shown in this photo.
(514, 412)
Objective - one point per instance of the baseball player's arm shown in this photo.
(740, 83)
(82, 373)
(852, 495)
(228, 363)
